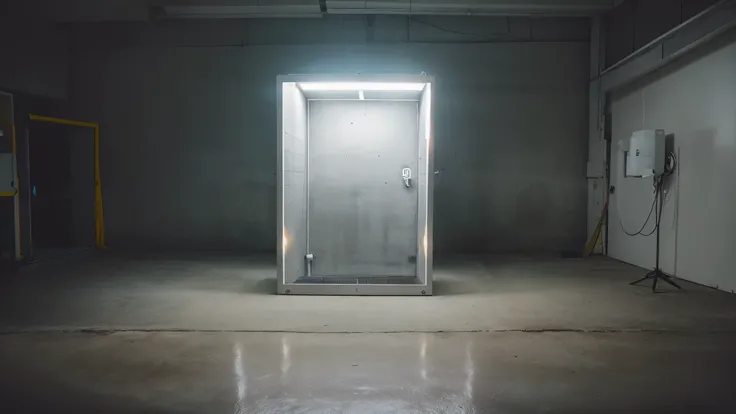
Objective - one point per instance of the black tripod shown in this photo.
(657, 273)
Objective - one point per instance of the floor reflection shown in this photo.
(423, 356)
(241, 381)
(469, 373)
(253, 373)
(294, 376)
(285, 358)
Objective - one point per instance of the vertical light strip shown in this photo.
(427, 138)
(283, 201)
(306, 177)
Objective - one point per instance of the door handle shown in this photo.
(406, 175)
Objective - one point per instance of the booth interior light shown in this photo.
(362, 86)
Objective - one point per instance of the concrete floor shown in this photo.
(204, 333)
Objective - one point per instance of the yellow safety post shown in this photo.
(99, 217)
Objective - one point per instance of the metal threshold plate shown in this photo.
(360, 280)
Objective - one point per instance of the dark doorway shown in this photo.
(62, 189)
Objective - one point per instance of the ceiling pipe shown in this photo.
(507, 8)
(238, 12)
(364, 7)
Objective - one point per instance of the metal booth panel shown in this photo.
(425, 179)
(362, 215)
(348, 223)
(293, 182)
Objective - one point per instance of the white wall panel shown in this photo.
(696, 102)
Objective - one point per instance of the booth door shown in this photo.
(362, 214)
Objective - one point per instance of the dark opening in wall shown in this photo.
(634, 23)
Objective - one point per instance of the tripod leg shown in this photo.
(647, 276)
(654, 284)
(670, 281)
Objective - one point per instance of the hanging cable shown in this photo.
(660, 205)
(670, 163)
(643, 226)
(659, 202)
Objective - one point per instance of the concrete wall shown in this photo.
(34, 57)
(696, 101)
(187, 112)
(82, 186)
(62, 172)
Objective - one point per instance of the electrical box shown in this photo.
(7, 173)
(645, 156)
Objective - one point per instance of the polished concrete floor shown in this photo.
(198, 333)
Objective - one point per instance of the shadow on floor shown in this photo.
(265, 286)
